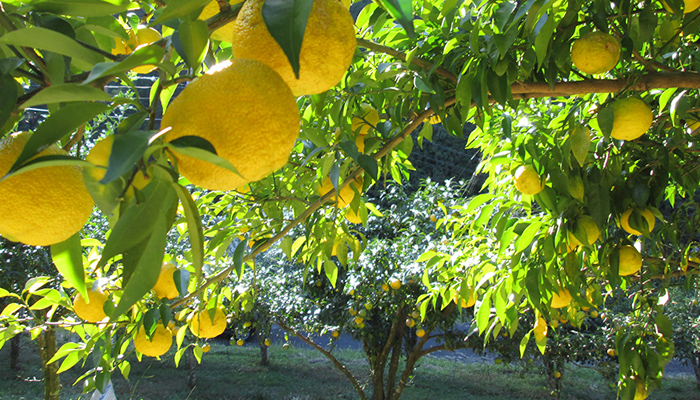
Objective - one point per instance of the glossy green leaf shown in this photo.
(8, 100)
(67, 256)
(194, 226)
(204, 154)
(65, 93)
(127, 150)
(286, 22)
(81, 8)
(46, 39)
(402, 11)
(177, 9)
(580, 143)
(146, 55)
(191, 40)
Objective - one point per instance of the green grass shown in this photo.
(231, 372)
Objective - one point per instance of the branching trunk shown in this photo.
(15, 348)
(47, 349)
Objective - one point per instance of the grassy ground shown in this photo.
(302, 374)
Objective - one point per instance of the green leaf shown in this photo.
(191, 41)
(194, 226)
(57, 125)
(47, 161)
(81, 8)
(370, 166)
(147, 268)
(286, 22)
(202, 153)
(146, 55)
(238, 257)
(46, 39)
(177, 9)
(68, 259)
(64, 93)
(605, 120)
(127, 150)
(8, 100)
(402, 11)
(580, 143)
(526, 237)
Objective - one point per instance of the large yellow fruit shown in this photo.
(92, 311)
(99, 157)
(632, 118)
(346, 195)
(165, 286)
(595, 53)
(591, 229)
(540, 328)
(223, 33)
(143, 37)
(326, 52)
(689, 6)
(527, 180)
(641, 392)
(646, 213)
(561, 299)
(364, 120)
(353, 217)
(44, 206)
(202, 325)
(159, 343)
(247, 112)
(630, 260)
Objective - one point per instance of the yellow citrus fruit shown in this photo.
(165, 286)
(385, 287)
(591, 229)
(395, 284)
(557, 374)
(99, 157)
(346, 195)
(630, 260)
(157, 345)
(240, 342)
(641, 392)
(689, 6)
(92, 311)
(410, 322)
(595, 53)
(44, 206)
(466, 303)
(420, 332)
(335, 334)
(267, 342)
(223, 33)
(246, 111)
(561, 299)
(353, 217)
(646, 213)
(358, 320)
(632, 118)
(143, 37)
(528, 181)
(611, 352)
(365, 119)
(434, 120)
(202, 325)
(247, 324)
(206, 348)
(346, 3)
(326, 52)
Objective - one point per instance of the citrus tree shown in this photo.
(586, 115)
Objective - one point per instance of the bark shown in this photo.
(695, 362)
(263, 350)
(553, 382)
(192, 373)
(47, 349)
(15, 347)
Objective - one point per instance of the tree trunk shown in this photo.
(47, 349)
(695, 362)
(15, 347)
(192, 373)
(554, 383)
(263, 350)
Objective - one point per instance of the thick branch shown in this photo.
(328, 355)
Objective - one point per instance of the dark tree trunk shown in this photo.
(695, 362)
(553, 366)
(263, 350)
(47, 349)
(192, 373)
(15, 347)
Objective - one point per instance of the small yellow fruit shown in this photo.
(594, 314)
(353, 217)
(632, 118)
(385, 287)
(415, 314)
(206, 348)
(364, 120)
(92, 311)
(326, 52)
(165, 286)
(346, 195)
(420, 332)
(591, 230)
(611, 352)
(410, 322)
(433, 218)
(255, 140)
(395, 284)
(630, 260)
(202, 325)
(223, 33)
(267, 342)
(359, 320)
(240, 342)
(561, 299)
(595, 53)
(352, 311)
(641, 391)
(157, 345)
(44, 206)
(528, 181)
(143, 37)
(646, 213)
(361, 325)
(557, 374)
(689, 6)
(368, 305)
(540, 328)
(335, 334)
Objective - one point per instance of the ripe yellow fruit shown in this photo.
(359, 320)
(202, 325)
(528, 181)
(346, 195)
(353, 217)
(364, 120)
(99, 157)
(594, 314)
(223, 33)
(420, 332)
(630, 260)
(335, 334)
(245, 110)
(557, 374)
(267, 342)
(44, 206)
(410, 322)
(415, 314)
(561, 299)
(646, 213)
(395, 284)
(385, 287)
(247, 324)
(159, 344)
(595, 53)
(326, 52)
(641, 392)
(632, 118)
(206, 348)
(93, 309)
(611, 352)
(591, 229)
(165, 286)
(143, 37)
(466, 303)
(689, 6)
(240, 342)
